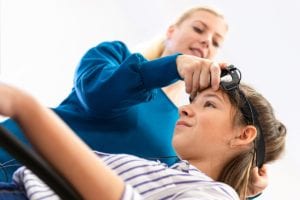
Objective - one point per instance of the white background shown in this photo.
(43, 40)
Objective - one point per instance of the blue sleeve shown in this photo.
(110, 79)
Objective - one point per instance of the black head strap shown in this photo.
(230, 79)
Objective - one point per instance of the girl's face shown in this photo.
(205, 127)
(201, 34)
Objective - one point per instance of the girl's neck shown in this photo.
(212, 168)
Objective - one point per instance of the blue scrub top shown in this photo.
(117, 105)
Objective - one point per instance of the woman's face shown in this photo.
(205, 127)
(201, 34)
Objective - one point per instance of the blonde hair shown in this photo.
(157, 46)
(237, 172)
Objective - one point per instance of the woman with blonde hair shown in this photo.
(157, 47)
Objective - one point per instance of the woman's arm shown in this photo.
(60, 146)
(110, 79)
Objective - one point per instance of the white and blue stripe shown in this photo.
(144, 180)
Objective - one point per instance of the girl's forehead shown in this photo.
(209, 92)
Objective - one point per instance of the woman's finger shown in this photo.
(204, 81)
(196, 80)
(215, 73)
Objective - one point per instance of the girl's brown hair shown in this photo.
(237, 172)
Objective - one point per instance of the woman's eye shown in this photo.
(209, 104)
(198, 30)
(216, 44)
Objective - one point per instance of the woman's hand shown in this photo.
(258, 181)
(198, 73)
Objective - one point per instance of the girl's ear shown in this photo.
(245, 137)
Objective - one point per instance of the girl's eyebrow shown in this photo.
(214, 96)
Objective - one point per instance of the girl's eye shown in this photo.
(198, 30)
(209, 104)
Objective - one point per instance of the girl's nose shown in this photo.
(186, 111)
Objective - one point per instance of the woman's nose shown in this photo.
(205, 44)
(205, 41)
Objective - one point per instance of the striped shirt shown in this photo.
(144, 180)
